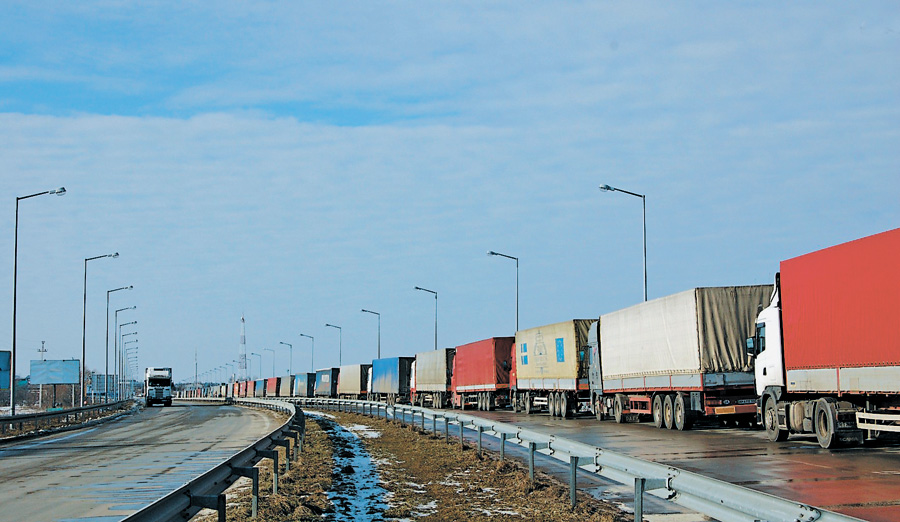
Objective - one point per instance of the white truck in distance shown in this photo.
(158, 386)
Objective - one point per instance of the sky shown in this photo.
(296, 162)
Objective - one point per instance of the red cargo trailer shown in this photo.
(481, 373)
(271, 387)
(828, 347)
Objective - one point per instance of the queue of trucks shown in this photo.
(818, 352)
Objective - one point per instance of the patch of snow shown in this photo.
(364, 431)
(315, 413)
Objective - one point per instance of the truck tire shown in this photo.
(551, 404)
(489, 397)
(669, 412)
(529, 409)
(683, 418)
(515, 403)
(770, 422)
(619, 408)
(563, 404)
(657, 409)
(825, 423)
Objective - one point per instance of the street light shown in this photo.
(61, 191)
(379, 328)
(312, 353)
(273, 360)
(118, 356)
(116, 339)
(607, 188)
(84, 317)
(106, 387)
(516, 259)
(435, 311)
(340, 340)
(260, 363)
(291, 363)
(124, 363)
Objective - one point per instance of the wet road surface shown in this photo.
(863, 482)
(109, 471)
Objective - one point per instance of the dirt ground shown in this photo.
(426, 479)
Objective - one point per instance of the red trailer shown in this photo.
(481, 373)
(271, 387)
(827, 349)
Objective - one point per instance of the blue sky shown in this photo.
(296, 162)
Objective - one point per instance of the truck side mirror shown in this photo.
(751, 348)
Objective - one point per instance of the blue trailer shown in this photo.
(390, 379)
(259, 388)
(326, 382)
(304, 385)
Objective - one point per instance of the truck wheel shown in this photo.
(551, 404)
(770, 422)
(657, 411)
(598, 410)
(825, 422)
(619, 408)
(683, 418)
(515, 403)
(564, 405)
(528, 407)
(489, 397)
(668, 412)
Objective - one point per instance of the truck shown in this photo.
(552, 370)
(158, 386)
(481, 374)
(430, 377)
(827, 347)
(327, 382)
(677, 359)
(304, 385)
(391, 379)
(353, 381)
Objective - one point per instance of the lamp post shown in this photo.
(260, 363)
(516, 259)
(435, 311)
(119, 349)
(340, 340)
(106, 387)
(125, 360)
(61, 191)
(229, 376)
(312, 353)
(291, 362)
(379, 329)
(607, 188)
(116, 340)
(84, 318)
(273, 359)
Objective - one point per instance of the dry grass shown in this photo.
(427, 480)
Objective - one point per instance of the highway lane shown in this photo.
(109, 471)
(863, 482)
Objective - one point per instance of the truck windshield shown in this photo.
(159, 382)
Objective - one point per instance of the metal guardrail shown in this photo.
(48, 418)
(206, 490)
(715, 498)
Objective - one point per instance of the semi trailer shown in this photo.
(353, 381)
(431, 375)
(390, 379)
(551, 368)
(678, 358)
(481, 374)
(827, 347)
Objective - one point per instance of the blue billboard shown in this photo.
(55, 372)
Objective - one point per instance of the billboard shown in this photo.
(4, 369)
(54, 372)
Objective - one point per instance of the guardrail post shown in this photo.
(531, 448)
(423, 420)
(216, 502)
(394, 413)
(480, 431)
(286, 444)
(573, 477)
(461, 439)
(272, 454)
(296, 436)
(253, 474)
(446, 429)
(502, 446)
(639, 484)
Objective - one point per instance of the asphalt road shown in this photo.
(109, 471)
(863, 482)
